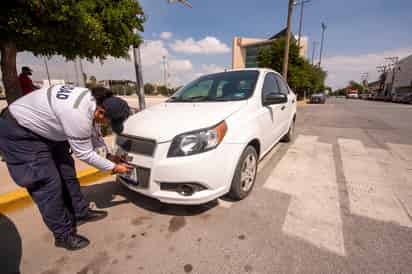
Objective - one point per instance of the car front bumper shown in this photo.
(213, 170)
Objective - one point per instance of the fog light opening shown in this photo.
(186, 190)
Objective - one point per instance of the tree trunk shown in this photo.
(9, 71)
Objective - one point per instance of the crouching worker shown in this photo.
(37, 133)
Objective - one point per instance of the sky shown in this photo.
(360, 34)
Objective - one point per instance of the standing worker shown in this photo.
(37, 132)
(26, 83)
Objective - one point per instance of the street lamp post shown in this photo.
(321, 43)
(302, 4)
(394, 62)
(287, 42)
(139, 77)
(313, 51)
(47, 69)
(184, 2)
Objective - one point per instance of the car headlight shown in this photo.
(197, 141)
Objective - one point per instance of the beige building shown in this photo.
(402, 80)
(245, 50)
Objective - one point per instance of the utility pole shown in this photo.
(394, 62)
(321, 43)
(82, 74)
(302, 4)
(382, 69)
(314, 50)
(47, 69)
(139, 78)
(76, 72)
(287, 42)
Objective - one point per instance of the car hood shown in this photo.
(165, 121)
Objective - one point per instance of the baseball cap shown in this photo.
(117, 110)
(26, 69)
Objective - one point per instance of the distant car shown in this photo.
(318, 98)
(364, 96)
(407, 99)
(352, 96)
(397, 97)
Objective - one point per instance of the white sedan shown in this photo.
(207, 139)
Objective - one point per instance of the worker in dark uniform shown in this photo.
(37, 132)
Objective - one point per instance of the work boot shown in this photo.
(91, 216)
(72, 242)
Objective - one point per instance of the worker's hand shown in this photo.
(115, 159)
(121, 168)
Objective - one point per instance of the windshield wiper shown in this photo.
(190, 99)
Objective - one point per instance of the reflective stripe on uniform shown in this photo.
(80, 98)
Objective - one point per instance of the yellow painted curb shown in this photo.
(302, 103)
(20, 198)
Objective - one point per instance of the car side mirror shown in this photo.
(274, 98)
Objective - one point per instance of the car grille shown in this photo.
(136, 145)
(143, 177)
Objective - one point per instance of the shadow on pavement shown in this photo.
(106, 195)
(10, 247)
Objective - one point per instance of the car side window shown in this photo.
(270, 84)
(283, 85)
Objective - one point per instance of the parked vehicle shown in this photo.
(364, 96)
(407, 99)
(207, 139)
(317, 98)
(352, 96)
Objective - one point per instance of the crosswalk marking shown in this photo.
(307, 173)
(373, 178)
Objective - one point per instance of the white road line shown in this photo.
(373, 177)
(307, 173)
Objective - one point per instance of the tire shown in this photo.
(289, 136)
(240, 189)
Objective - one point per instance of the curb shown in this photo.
(302, 103)
(20, 198)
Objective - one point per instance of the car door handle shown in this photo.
(283, 108)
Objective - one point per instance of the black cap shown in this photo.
(117, 110)
(26, 69)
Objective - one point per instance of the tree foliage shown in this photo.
(302, 75)
(355, 85)
(83, 28)
(149, 88)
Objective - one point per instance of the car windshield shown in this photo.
(225, 86)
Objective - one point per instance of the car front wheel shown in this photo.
(245, 174)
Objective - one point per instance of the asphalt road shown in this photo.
(336, 200)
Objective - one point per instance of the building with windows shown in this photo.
(245, 50)
(399, 79)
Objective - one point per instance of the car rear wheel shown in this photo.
(245, 174)
(289, 136)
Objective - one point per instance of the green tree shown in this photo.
(303, 77)
(83, 28)
(356, 85)
(149, 88)
(163, 90)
